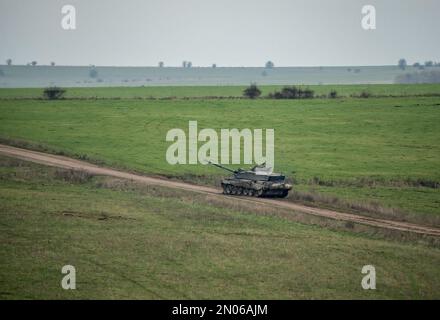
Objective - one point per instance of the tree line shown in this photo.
(287, 92)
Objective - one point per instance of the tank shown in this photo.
(259, 181)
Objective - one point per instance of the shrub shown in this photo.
(333, 94)
(308, 94)
(365, 94)
(252, 91)
(292, 93)
(53, 93)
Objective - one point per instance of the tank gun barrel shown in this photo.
(222, 167)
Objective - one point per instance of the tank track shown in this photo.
(242, 191)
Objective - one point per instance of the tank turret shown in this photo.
(259, 181)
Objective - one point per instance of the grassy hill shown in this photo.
(377, 155)
(132, 241)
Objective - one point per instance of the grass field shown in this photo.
(218, 91)
(365, 153)
(131, 241)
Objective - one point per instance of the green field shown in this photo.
(368, 154)
(218, 91)
(129, 241)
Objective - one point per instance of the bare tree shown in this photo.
(9, 62)
(161, 64)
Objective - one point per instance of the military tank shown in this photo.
(259, 181)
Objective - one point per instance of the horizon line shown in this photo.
(192, 67)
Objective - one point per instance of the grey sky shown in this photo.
(226, 32)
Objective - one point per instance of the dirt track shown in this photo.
(64, 162)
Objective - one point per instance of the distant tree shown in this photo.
(34, 63)
(214, 65)
(9, 62)
(418, 66)
(269, 65)
(428, 76)
(53, 93)
(189, 64)
(429, 64)
(252, 91)
(52, 64)
(402, 64)
(93, 73)
(333, 94)
(161, 64)
(184, 63)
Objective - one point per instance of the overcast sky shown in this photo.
(226, 32)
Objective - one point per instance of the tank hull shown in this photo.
(253, 188)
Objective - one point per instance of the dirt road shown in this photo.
(68, 163)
